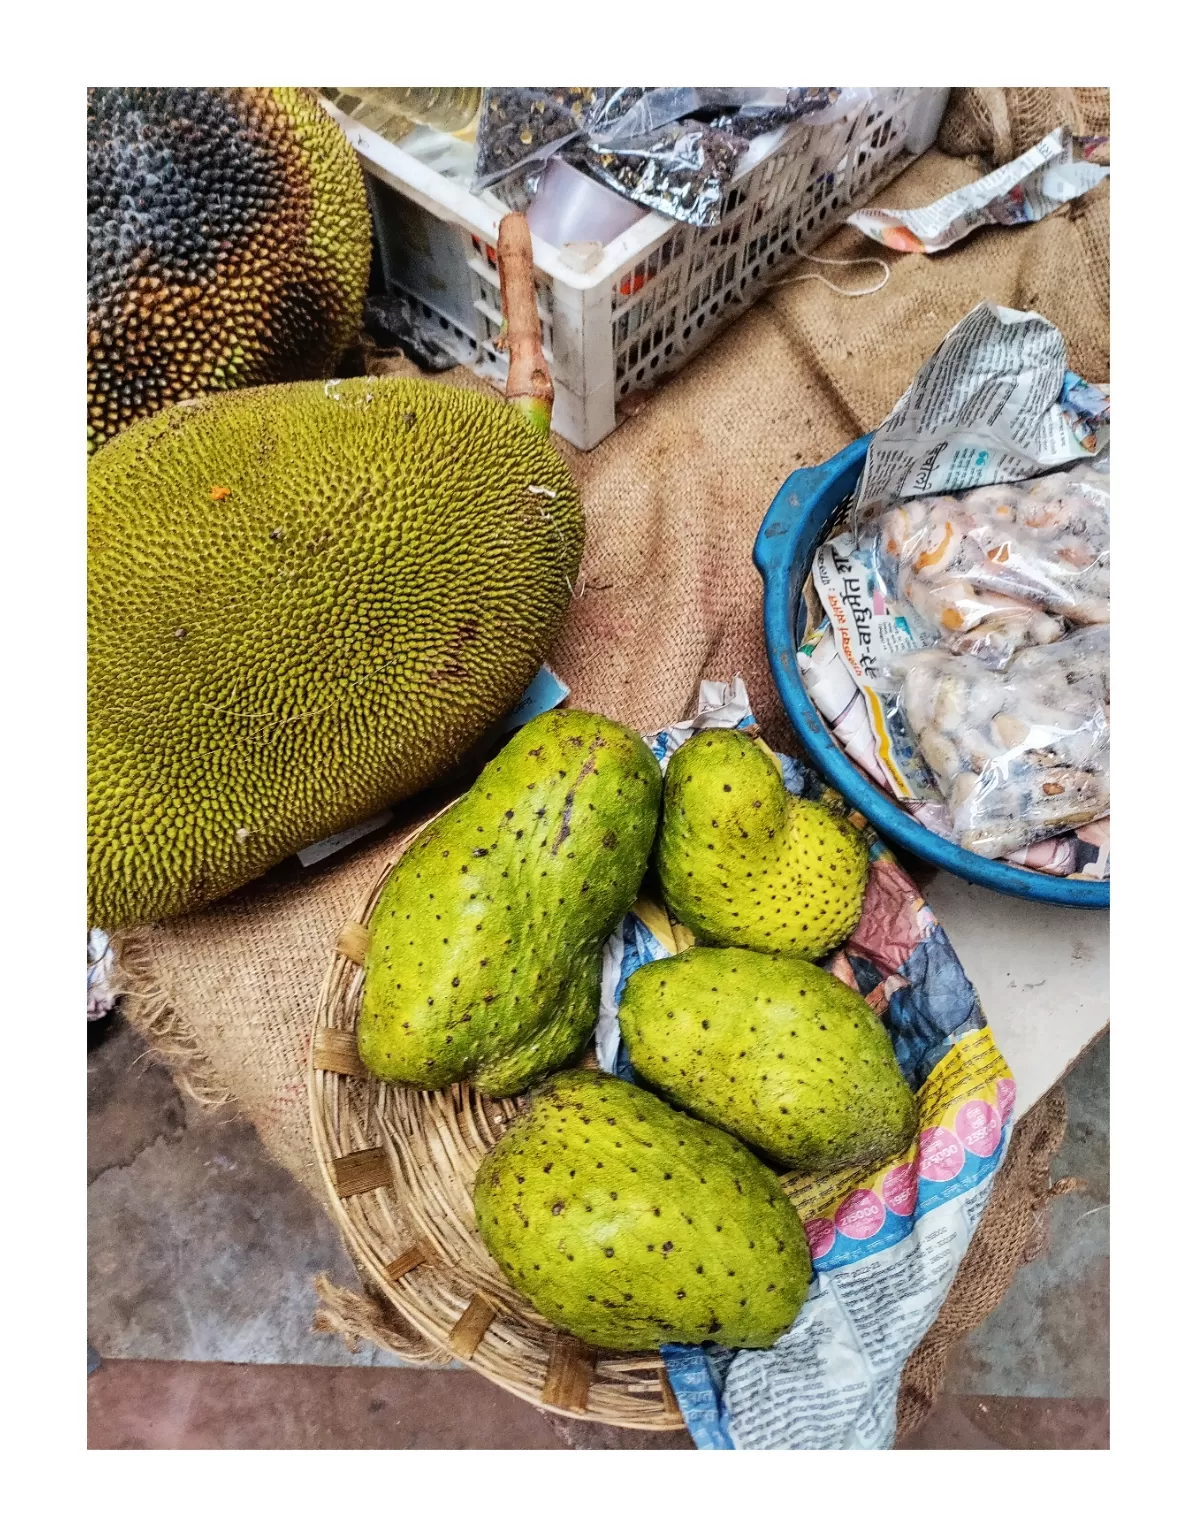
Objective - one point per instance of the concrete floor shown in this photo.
(1050, 1335)
(199, 1247)
(201, 1254)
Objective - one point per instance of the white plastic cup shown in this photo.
(571, 208)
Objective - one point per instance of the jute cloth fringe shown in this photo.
(1013, 1231)
(366, 1319)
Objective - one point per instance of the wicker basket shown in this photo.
(400, 1163)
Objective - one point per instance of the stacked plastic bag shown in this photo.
(1010, 709)
(957, 635)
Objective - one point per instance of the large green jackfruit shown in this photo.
(484, 959)
(305, 602)
(743, 862)
(774, 1050)
(632, 1226)
(228, 244)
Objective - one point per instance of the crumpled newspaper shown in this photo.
(1022, 192)
(995, 403)
(885, 1241)
(101, 994)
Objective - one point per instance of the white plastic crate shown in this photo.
(619, 318)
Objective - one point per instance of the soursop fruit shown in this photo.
(743, 862)
(631, 1226)
(774, 1050)
(484, 960)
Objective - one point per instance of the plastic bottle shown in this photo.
(393, 110)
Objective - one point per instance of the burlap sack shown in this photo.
(673, 500)
(998, 123)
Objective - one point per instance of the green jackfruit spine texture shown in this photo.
(305, 602)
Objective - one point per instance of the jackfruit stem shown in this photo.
(529, 383)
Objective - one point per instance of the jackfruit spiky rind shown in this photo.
(631, 1225)
(774, 1050)
(484, 959)
(305, 602)
(228, 244)
(743, 862)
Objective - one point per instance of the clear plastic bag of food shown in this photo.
(520, 127)
(1003, 567)
(1018, 755)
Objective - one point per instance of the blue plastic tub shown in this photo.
(799, 517)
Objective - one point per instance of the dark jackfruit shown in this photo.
(305, 602)
(228, 244)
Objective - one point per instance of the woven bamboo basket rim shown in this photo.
(398, 1167)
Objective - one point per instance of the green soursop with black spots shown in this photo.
(485, 951)
(743, 862)
(630, 1225)
(774, 1050)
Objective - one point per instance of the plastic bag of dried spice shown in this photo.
(679, 168)
(631, 111)
(521, 127)
(672, 149)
